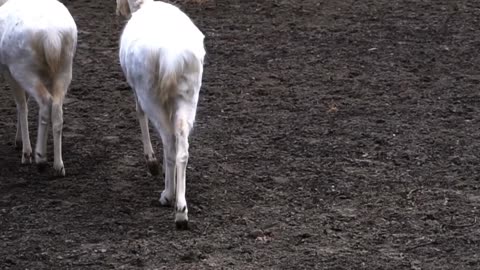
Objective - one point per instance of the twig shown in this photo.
(420, 245)
(410, 193)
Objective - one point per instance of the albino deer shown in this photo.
(161, 54)
(37, 44)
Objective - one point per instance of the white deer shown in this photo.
(37, 44)
(161, 54)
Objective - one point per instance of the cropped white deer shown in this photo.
(37, 44)
(161, 54)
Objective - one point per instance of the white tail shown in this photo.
(172, 67)
(53, 51)
(55, 47)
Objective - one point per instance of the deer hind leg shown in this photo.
(44, 100)
(182, 130)
(32, 84)
(150, 158)
(175, 147)
(59, 91)
(18, 134)
(169, 153)
(22, 137)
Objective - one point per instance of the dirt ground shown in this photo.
(330, 135)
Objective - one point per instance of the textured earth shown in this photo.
(330, 135)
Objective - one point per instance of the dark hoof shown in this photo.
(42, 166)
(181, 225)
(60, 172)
(153, 168)
(27, 158)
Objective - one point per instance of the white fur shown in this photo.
(161, 54)
(37, 45)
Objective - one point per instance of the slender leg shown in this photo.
(150, 158)
(18, 135)
(31, 83)
(57, 128)
(169, 153)
(182, 130)
(44, 118)
(59, 91)
(22, 137)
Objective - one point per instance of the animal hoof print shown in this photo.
(181, 224)
(153, 168)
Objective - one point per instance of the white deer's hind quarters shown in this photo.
(38, 38)
(161, 55)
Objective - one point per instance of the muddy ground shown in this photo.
(330, 135)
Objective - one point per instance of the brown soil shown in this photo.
(330, 135)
